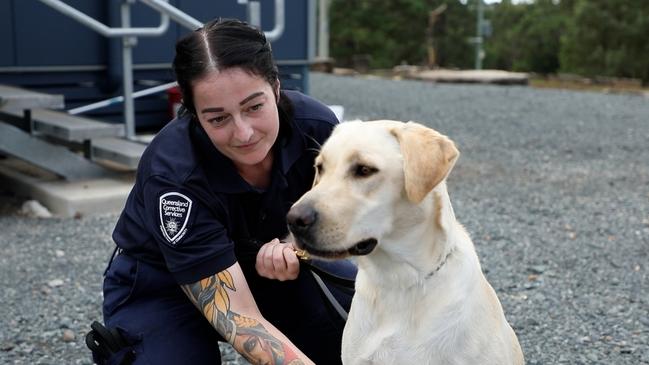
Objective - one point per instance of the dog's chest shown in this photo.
(387, 345)
(387, 337)
(392, 328)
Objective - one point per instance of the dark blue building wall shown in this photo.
(7, 54)
(45, 50)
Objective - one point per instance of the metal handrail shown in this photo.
(103, 29)
(119, 99)
(278, 29)
(129, 35)
(176, 14)
(254, 16)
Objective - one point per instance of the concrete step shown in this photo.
(53, 158)
(64, 198)
(12, 97)
(70, 128)
(118, 150)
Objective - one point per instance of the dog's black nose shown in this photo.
(301, 217)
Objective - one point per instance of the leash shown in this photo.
(319, 273)
(305, 259)
(247, 250)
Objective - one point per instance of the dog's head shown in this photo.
(370, 180)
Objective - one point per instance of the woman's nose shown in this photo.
(242, 131)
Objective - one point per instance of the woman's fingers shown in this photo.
(292, 262)
(277, 260)
(264, 256)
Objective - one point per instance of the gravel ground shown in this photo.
(553, 185)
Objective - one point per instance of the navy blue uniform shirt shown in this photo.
(191, 212)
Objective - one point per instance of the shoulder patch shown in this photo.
(175, 209)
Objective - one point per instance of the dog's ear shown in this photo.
(428, 157)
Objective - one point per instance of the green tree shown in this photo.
(452, 45)
(526, 36)
(393, 31)
(500, 51)
(539, 33)
(607, 38)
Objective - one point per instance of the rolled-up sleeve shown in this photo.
(191, 236)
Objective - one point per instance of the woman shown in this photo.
(202, 225)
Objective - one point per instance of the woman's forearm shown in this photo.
(248, 332)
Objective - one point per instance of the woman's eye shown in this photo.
(218, 120)
(318, 168)
(256, 107)
(364, 170)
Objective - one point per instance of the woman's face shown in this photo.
(238, 111)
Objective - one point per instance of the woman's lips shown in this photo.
(247, 146)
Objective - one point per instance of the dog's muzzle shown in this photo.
(302, 218)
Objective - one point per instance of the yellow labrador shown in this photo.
(421, 298)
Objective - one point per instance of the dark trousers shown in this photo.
(164, 327)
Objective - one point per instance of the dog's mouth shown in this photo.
(362, 248)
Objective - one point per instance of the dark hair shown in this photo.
(221, 44)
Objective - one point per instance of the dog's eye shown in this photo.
(364, 170)
(318, 168)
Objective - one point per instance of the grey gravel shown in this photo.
(553, 186)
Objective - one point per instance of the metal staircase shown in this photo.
(35, 128)
(66, 145)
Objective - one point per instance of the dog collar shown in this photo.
(435, 270)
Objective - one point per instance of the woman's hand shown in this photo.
(277, 260)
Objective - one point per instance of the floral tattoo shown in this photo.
(247, 335)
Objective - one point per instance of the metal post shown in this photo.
(478, 38)
(312, 30)
(323, 29)
(127, 60)
(254, 13)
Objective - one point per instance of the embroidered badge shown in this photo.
(175, 209)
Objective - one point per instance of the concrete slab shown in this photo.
(472, 76)
(64, 198)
